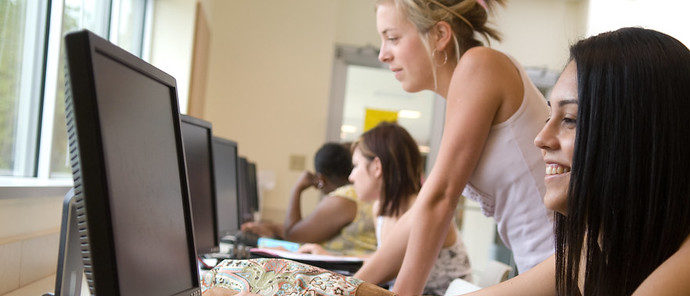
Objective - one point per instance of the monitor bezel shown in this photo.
(87, 159)
(223, 232)
(208, 127)
(253, 185)
(243, 190)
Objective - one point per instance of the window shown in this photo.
(33, 137)
(20, 82)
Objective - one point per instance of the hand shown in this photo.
(258, 228)
(306, 180)
(315, 249)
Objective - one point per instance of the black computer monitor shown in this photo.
(197, 138)
(245, 204)
(129, 172)
(253, 187)
(225, 168)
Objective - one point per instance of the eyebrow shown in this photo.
(386, 31)
(562, 103)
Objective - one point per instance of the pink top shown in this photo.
(508, 181)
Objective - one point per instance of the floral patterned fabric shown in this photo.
(278, 277)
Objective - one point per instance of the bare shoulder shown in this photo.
(672, 277)
(338, 203)
(486, 59)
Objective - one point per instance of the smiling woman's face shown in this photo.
(557, 139)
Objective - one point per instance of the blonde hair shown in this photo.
(465, 17)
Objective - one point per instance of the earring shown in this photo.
(445, 57)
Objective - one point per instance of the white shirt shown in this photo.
(508, 181)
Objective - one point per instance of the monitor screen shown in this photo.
(245, 204)
(253, 187)
(129, 167)
(196, 136)
(225, 168)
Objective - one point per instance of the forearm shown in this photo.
(432, 219)
(384, 264)
(381, 266)
(294, 213)
(538, 281)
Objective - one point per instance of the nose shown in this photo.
(546, 139)
(384, 55)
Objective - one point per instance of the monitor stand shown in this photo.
(70, 268)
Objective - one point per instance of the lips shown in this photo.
(397, 72)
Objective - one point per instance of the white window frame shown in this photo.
(38, 87)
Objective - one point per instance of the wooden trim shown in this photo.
(199, 70)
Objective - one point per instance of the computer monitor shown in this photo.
(197, 138)
(129, 172)
(253, 187)
(225, 174)
(246, 212)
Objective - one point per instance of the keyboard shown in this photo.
(241, 238)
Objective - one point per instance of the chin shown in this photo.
(555, 202)
(411, 88)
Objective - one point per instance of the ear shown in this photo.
(442, 35)
(376, 167)
(320, 179)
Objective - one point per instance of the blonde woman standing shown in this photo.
(493, 113)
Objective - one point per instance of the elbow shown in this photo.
(442, 195)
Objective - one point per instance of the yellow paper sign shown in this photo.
(373, 117)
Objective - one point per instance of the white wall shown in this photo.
(29, 228)
(268, 84)
(538, 32)
(172, 36)
(667, 16)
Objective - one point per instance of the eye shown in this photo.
(569, 122)
(392, 39)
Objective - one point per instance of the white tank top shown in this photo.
(508, 181)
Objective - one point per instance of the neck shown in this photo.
(443, 77)
(334, 184)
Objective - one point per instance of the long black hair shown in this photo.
(629, 195)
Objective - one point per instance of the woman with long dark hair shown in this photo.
(617, 148)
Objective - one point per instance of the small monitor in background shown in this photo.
(253, 187)
(197, 138)
(129, 172)
(225, 175)
(245, 204)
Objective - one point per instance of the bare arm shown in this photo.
(483, 81)
(330, 216)
(672, 277)
(538, 281)
(383, 265)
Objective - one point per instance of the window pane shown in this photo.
(92, 15)
(12, 31)
(128, 25)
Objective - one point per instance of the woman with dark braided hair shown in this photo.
(493, 113)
